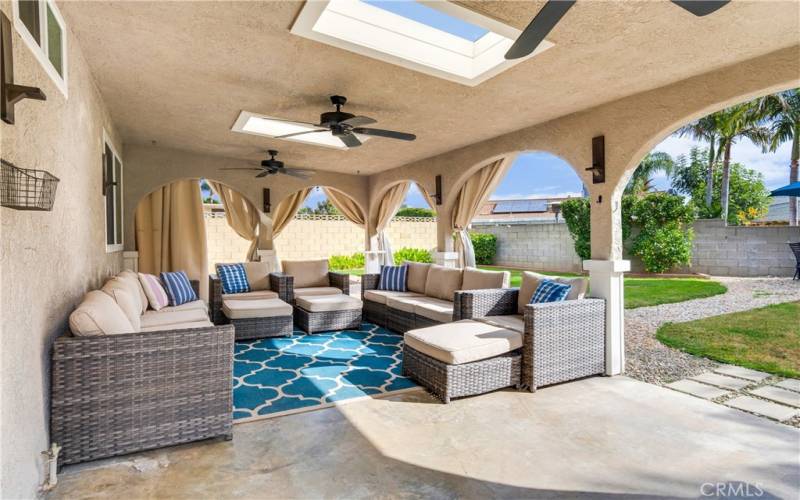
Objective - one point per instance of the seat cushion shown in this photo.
(266, 308)
(479, 279)
(442, 282)
(98, 314)
(127, 300)
(514, 322)
(380, 296)
(257, 275)
(158, 318)
(136, 285)
(178, 326)
(463, 341)
(405, 304)
(195, 304)
(417, 276)
(323, 303)
(258, 295)
(530, 281)
(436, 309)
(316, 290)
(307, 273)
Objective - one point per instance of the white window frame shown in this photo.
(41, 52)
(116, 247)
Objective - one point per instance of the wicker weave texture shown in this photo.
(490, 302)
(259, 328)
(312, 322)
(119, 394)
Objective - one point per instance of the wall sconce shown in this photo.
(10, 93)
(437, 196)
(267, 206)
(598, 168)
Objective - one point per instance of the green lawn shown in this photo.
(766, 339)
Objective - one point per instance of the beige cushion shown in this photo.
(267, 308)
(380, 296)
(417, 276)
(478, 279)
(178, 326)
(442, 282)
(514, 322)
(405, 304)
(307, 273)
(98, 314)
(127, 300)
(530, 281)
(195, 304)
(436, 309)
(316, 290)
(321, 303)
(133, 282)
(463, 341)
(257, 275)
(158, 318)
(257, 295)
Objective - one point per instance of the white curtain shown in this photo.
(389, 205)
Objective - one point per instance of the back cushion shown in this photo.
(393, 278)
(417, 276)
(257, 275)
(136, 286)
(476, 279)
(98, 314)
(119, 290)
(442, 282)
(530, 281)
(307, 273)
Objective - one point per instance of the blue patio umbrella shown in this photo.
(792, 189)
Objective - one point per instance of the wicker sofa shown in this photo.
(119, 388)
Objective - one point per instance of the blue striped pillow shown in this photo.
(550, 291)
(178, 288)
(233, 278)
(393, 278)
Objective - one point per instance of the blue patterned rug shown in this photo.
(287, 375)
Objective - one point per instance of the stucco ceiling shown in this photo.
(179, 73)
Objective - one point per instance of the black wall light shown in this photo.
(437, 196)
(10, 93)
(598, 168)
(267, 206)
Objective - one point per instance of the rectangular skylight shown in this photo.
(435, 37)
(266, 126)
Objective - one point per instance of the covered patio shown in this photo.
(163, 86)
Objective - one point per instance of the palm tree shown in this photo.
(704, 129)
(783, 110)
(641, 181)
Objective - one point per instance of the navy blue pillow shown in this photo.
(178, 288)
(550, 291)
(393, 278)
(233, 278)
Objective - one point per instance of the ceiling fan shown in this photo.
(271, 166)
(345, 126)
(554, 10)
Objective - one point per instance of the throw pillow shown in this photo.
(154, 291)
(178, 287)
(233, 278)
(550, 291)
(393, 278)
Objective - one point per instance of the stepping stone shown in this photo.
(697, 389)
(722, 381)
(778, 395)
(741, 372)
(791, 384)
(764, 408)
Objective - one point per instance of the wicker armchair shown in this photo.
(562, 340)
(278, 283)
(284, 284)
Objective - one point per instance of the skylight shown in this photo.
(266, 126)
(434, 37)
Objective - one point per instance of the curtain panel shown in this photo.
(388, 206)
(346, 206)
(283, 215)
(241, 215)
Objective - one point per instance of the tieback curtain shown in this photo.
(387, 207)
(241, 215)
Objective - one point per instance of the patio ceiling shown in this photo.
(179, 73)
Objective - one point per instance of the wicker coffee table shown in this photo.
(319, 313)
(256, 319)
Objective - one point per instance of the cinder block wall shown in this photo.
(541, 245)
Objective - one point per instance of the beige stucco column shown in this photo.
(266, 245)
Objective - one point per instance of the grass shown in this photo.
(766, 339)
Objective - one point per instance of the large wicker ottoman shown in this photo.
(255, 319)
(463, 358)
(319, 313)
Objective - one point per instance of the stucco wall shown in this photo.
(47, 259)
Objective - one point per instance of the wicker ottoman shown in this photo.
(319, 313)
(463, 358)
(256, 319)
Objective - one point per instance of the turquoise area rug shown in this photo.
(277, 376)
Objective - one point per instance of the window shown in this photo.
(41, 26)
(112, 188)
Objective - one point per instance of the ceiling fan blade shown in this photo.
(300, 133)
(349, 140)
(297, 172)
(701, 8)
(358, 121)
(242, 168)
(391, 134)
(545, 20)
(263, 174)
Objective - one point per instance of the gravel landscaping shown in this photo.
(649, 360)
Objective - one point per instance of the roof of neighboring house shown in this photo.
(519, 208)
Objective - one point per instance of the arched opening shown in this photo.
(411, 231)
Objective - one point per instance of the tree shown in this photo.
(641, 181)
(704, 129)
(783, 111)
(415, 212)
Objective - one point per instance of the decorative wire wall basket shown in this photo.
(26, 189)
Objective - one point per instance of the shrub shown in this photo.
(485, 246)
(415, 212)
(576, 214)
(344, 262)
(412, 255)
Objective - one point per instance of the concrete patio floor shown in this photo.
(594, 438)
